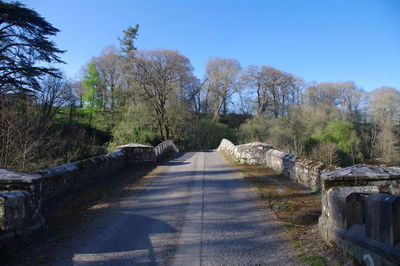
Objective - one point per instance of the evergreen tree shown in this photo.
(127, 41)
(24, 43)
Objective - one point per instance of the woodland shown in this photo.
(131, 95)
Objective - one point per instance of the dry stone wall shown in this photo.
(22, 196)
(304, 171)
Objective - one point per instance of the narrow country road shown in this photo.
(198, 210)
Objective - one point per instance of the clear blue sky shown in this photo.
(322, 40)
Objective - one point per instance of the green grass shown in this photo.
(316, 190)
(101, 120)
(312, 260)
(283, 206)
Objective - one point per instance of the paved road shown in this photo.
(197, 211)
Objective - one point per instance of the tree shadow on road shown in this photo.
(125, 242)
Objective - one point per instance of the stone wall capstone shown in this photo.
(164, 148)
(137, 153)
(227, 146)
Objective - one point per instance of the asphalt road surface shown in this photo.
(197, 211)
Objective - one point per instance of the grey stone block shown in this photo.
(344, 205)
(382, 218)
(252, 153)
(17, 209)
(138, 153)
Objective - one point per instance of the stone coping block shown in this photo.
(306, 162)
(255, 144)
(14, 181)
(164, 147)
(136, 153)
(78, 166)
(8, 177)
(135, 145)
(276, 153)
(363, 172)
(385, 177)
(226, 145)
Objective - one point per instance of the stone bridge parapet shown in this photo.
(302, 170)
(22, 196)
(360, 204)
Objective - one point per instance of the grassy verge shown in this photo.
(297, 208)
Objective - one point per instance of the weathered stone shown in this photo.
(301, 170)
(22, 195)
(342, 227)
(364, 172)
(20, 199)
(227, 146)
(274, 159)
(251, 153)
(11, 180)
(134, 145)
(164, 148)
(17, 209)
(11, 240)
(136, 153)
(307, 172)
(383, 218)
(343, 194)
(343, 206)
(386, 178)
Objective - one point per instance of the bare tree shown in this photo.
(77, 92)
(222, 81)
(24, 134)
(160, 74)
(190, 91)
(384, 113)
(275, 90)
(343, 97)
(325, 152)
(324, 93)
(53, 95)
(350, 99)
(111, 69)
